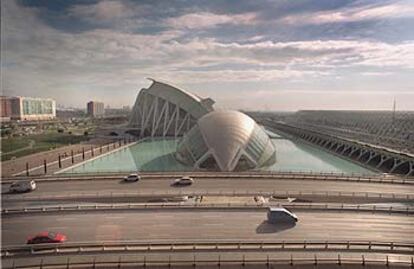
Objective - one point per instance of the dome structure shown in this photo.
(226, 141)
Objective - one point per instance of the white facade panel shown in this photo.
(165, 110)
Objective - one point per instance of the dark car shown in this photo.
(47, 238)
(280, 214)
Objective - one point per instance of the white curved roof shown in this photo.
(194, 96)
(225, 132)
(191, 103)
(232, 138)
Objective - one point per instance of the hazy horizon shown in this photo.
(253, 55)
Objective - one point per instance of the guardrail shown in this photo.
(201, 206)
(227, 175)
(119, 144)
(174, 193)
(179, 246)
(217, 262)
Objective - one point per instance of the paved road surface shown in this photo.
(219, 184)
(169, 225)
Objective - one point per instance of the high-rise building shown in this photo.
(95, 109)
(5, 108)
(27, 108)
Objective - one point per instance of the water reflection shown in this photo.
(158, 155)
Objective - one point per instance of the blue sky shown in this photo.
(270, 54)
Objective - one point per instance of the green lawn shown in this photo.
(42, 142)
(8, 145)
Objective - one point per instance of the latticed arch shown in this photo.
(165, 110)
(226, 141)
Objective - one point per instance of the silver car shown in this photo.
(23, 186)
(132, 177)
(184, 181)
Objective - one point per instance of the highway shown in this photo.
(210, 184)
(192, 225)
(153, 225)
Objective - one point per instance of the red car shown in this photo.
(47, 238)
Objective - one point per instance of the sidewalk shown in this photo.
(36, 161)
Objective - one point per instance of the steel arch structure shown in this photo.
(164, 110)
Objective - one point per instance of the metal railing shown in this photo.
(218, 262)
(119, 144)
(204, 245)
(200, 206)
(174, 193)
(227, 175)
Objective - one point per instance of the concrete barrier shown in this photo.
(226, 206)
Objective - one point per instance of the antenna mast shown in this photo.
(393, 112)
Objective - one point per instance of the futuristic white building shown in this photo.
(226, 141)
(212, 140)
(164, 110)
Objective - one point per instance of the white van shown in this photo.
(280, 214)
(23, 186)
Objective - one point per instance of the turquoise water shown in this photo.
(157, 155)
(300, 157)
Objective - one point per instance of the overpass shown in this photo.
(344, 220)
(313, 187)
(209, 237)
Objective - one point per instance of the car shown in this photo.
(178, 199)
(282, 199)
(184, 181)
(132, 177)
(23, 186)
(47, 238)
(280, 215)
(159, 200)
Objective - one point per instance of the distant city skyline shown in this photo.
(251, 55)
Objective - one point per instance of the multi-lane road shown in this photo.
(206, 185)
(195, 225)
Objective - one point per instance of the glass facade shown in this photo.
(37, 107)
(249, 148)
(259, 147)
(192, 147)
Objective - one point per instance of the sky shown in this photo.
(253, 55)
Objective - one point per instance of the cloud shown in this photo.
(375, 74)
(236, 75)
(330, 53)
(38, 59)
(352, 14)
(102, 11)
(208, 20)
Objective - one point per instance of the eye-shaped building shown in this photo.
(226, 141)
(210, 139)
